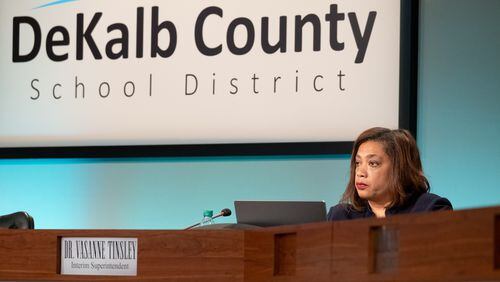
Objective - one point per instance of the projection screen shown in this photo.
(89, 78)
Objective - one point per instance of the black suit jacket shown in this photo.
(421, 203)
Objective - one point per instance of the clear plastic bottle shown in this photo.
(207, 218)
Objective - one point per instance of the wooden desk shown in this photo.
(440, 246)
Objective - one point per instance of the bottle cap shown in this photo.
(208, 213)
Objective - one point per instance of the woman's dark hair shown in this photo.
(406, 179)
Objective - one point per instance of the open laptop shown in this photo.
(273, 213)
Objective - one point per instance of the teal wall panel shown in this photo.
(459, 99)
(160, 193)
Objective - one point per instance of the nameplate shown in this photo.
(99, 256)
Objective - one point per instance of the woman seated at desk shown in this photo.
(386, 178)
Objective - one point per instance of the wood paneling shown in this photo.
(441, 246)
(206, 255)
(497, 242)
(311, 244)
(383, 250)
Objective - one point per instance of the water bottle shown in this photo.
(207, 218)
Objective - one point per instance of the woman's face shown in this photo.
(373, 169)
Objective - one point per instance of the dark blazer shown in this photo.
(420, 203)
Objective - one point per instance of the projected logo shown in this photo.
(54, 3)
(175, 70)
(85, 35)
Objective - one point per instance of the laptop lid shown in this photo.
(273, 213)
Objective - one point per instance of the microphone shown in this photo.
(223, 212)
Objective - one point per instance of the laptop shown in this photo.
(274, 213)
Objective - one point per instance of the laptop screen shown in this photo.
(273, 213)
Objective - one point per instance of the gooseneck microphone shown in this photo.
(223, 212)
